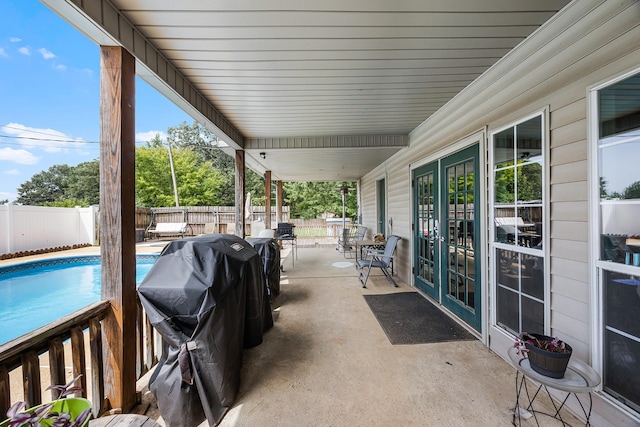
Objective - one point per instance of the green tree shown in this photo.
(45, 187)
(632, 191)
(198, 183)
(603, 188)
(63, 185)
(206, 145)
(4, 202)
(530, 182)
(84, 183)
(504, 190)
(66, 203)
(311, 199)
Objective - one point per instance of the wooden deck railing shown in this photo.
(69, 332)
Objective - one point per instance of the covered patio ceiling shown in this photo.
(327, 90)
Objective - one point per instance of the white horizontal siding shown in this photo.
(569, 192)
(574, 250)
(591, 42)
(368, 202)
(571, 132)
(571, 288)
(573, 331)
(399, 212)
(566, 212)
(571, 112)
(567, 229)
(571, 269)
(569, 153)
(569, 172)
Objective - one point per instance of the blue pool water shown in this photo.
(36, 293)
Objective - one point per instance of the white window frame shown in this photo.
(494, 246)
(598, 266)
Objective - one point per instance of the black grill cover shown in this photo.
(269, 251)
(207, 297)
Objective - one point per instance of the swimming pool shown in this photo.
(33, 294)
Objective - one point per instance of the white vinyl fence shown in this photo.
(27, 228)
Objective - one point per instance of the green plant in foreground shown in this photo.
(44, 415)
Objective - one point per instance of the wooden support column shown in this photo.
(240, 194)
(267, 200)
(278, 202)
(117, 223)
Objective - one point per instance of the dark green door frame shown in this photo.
(446, 233)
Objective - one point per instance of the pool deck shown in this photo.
(141, 248)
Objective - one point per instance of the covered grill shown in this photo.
(207, 297)
(269, 250)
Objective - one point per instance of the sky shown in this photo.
(49, 96)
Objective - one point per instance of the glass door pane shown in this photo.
(427, 229)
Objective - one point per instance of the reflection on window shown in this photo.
(428, 227)
(520, 285)
(517, 184)
(619, 172)
(619, 107)
(619, 188)
(622, 336)
(618, 154)
(518, 216)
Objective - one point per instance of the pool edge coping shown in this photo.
(66, 259)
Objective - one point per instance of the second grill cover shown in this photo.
(207, 297)
(269, 251)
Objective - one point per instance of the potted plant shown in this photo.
(63, 412)
(547, 355)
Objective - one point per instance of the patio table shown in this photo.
(579, 378)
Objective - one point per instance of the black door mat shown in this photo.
(408, 318)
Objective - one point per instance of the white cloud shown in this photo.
(25, 50)
(60, 67)
(52, 141)
(15, 39)
(46, 54)
(12, 172)
(19, 156)
(3, 53)
(149, 135)
(4, 195)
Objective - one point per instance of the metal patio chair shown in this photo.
(345, 236)
(347, 244)
(285, 233)
(378, 258)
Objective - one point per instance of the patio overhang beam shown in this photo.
(358, 154)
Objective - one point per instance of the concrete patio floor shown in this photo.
(327, 362)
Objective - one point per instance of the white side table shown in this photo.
(579, 378)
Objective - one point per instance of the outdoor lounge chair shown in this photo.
(378, 258)
(170, 229)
